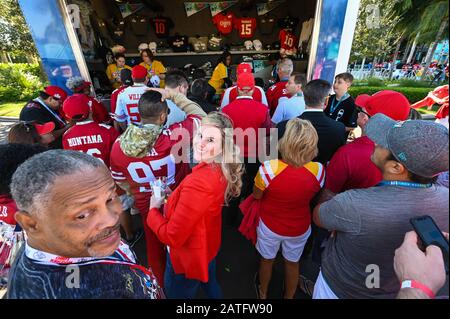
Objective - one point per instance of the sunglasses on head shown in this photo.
(360, 110)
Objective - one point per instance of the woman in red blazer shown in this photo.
(191, 224)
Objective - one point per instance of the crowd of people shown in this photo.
(181, 154)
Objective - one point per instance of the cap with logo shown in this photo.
(56, 92)
(76, 107)
(153, 46)
(422, 146)
(244, 68)
(138, 72)
(390, 103)
(245, 81)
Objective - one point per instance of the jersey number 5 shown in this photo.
(133, 112)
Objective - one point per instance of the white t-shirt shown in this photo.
(226, 97)
(127, 104)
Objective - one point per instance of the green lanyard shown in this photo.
(334, 106)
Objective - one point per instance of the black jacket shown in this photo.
(332, 134)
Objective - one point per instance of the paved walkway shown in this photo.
(5, 125)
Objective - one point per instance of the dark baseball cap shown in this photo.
(422, 146)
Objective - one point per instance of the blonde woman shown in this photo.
(286, 187)
(191, 224)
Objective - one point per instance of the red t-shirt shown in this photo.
(246, 27)
(8, 209)
(274, 93)
(351, 167)
(247, 113)
(288, 41)
(288, 191)
(114, 96)
(224, 23)
(91, 138)
(159, 162)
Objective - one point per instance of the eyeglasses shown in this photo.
(360, 110)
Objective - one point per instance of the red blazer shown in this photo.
(192, 227)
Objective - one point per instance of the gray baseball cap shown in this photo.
(422, 146)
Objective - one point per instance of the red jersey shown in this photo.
(159, 162)
(224, 23)
(344, 169)
(8, 209)
(91, 138)
(99, 112)
(246, 27)
(288, 40)
(274, 93)
(114, 96)
(248, 114)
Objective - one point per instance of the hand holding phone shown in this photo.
(430, 234)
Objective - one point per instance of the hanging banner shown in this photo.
(264, 8)
(128, 9)
(195, 7)
(218, 7)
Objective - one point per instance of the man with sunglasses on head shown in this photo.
(46, 108)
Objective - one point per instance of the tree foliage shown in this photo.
(15, 36)
(376, 34)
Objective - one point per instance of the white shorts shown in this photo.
(268, 243)
(322, 290)
(127, 201)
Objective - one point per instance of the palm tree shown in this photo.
(429, 27)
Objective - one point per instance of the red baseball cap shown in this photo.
(390, 103)
(77, 106)
(45, 128)
(244, 68)
(246, 81)
(138, 72)
(56, 92)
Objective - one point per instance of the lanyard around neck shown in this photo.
(50, 110)
(404, 184)
(334, 106)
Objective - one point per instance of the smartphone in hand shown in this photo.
(430, 234)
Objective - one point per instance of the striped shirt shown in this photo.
(288, 191)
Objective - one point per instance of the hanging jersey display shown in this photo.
(246, 27)
(162, 26)
(139, 25)
(288, 23)
(266, 25)
(288, 40)
(224, 23)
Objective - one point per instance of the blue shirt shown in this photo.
(289, 108)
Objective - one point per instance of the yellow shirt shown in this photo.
(113, 72)
(217, 79)
(156, 68)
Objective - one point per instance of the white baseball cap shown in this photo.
(248, 45)
(152, 46)
(155, 81)
(258, 45)
(142, 46)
